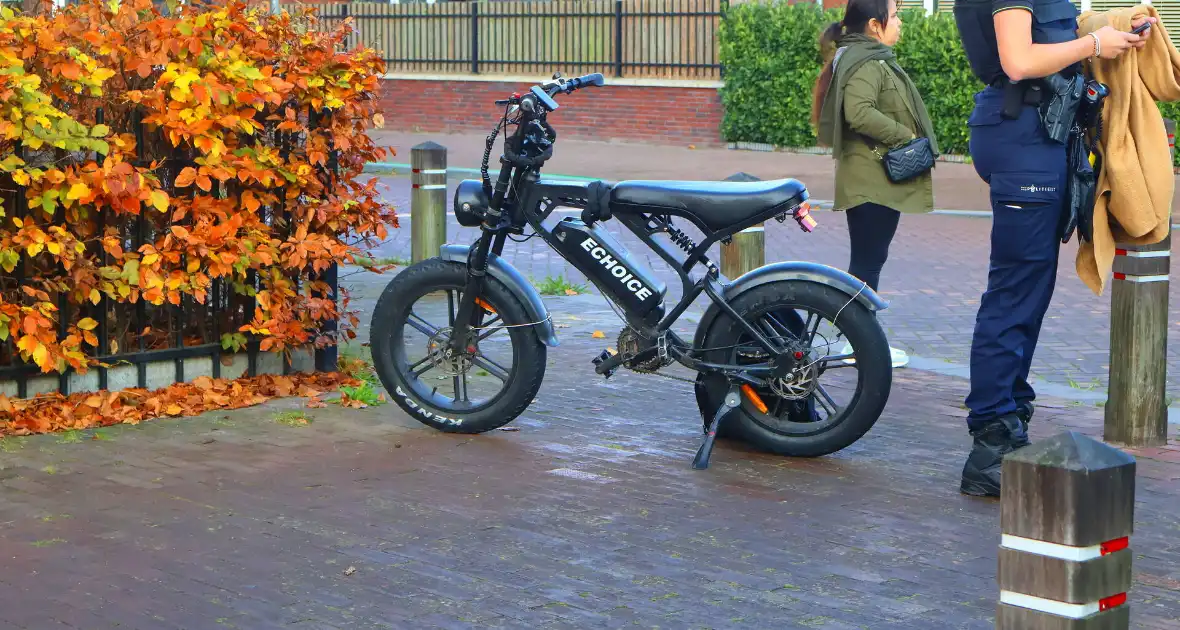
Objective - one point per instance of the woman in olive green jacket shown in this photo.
(865, 105)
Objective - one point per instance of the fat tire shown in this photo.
(873, 359)
(391, 314)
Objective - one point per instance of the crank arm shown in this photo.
(610, 364)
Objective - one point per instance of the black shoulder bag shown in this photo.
(910, 159)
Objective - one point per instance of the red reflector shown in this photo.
(1111, 602)
(1120, 252)
(1118, 544)
(1120, 276)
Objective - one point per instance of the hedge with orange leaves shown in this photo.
(153, 154)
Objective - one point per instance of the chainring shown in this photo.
(632, 343)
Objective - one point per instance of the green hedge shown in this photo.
(771, 57)
(770, 53)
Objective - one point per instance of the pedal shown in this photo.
(607, 362)
(732, 401)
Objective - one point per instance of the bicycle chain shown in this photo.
(676, 378)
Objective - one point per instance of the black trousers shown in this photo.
(871, 228)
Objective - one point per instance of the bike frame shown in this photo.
(521, 197)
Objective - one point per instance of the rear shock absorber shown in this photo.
(680, 239)
(685, 242)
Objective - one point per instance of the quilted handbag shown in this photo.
(909, 160)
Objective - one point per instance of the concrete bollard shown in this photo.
(747, 250)
(428, 200)
(1136, 406)
(1066, 515)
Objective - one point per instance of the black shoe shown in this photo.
(997, 438)
(1025, 411)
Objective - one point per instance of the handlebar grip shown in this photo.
(594, 78)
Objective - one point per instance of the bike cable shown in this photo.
(487, 153)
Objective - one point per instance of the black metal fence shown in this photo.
(675, 39)
(140, 334)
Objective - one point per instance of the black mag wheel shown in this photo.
(839, 387)
(478, 390)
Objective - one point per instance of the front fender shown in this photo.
(508, 275)
(793, 270)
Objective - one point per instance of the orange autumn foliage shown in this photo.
(54, 412)
(232, 138)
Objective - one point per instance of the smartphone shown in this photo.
(1142, 27)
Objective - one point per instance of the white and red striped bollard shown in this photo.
(1066, 516)
(428, 200)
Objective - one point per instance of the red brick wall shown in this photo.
(660, 115)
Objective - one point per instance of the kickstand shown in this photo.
(732, 401)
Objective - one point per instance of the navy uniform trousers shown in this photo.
(1026, 173)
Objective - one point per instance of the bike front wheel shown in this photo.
(478, 390)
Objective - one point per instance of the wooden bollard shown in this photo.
(428, 200)
(747, 250)
(1136, 406)
(1067, 507)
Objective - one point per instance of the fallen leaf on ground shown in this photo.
(47, 413)
(598, 334)
(351, 403)
(350, 571)
(570, 292)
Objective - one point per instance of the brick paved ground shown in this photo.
(588, 516)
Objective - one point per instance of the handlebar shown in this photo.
(537, 95)
(532, 143)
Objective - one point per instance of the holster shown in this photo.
(1059, 107)
(1082, 178)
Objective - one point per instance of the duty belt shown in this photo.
(1018, 94)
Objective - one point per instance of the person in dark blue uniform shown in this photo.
(1012, 46)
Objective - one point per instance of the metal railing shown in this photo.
(675, 39)
(140, 334)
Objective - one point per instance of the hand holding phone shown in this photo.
(1142, 27)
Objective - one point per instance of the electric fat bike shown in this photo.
(760, 349)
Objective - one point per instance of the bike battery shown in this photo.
(609, 266)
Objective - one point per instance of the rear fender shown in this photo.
(791, 270)
(520, 287)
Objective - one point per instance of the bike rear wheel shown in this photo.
(802, 416)
(481, 389)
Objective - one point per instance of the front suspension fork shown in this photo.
(468, 319)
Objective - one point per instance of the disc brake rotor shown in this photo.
(799, 384)
(442, 357)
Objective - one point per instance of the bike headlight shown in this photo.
(471, 204)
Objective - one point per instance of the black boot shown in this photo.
(981, 473)
(1025, 411)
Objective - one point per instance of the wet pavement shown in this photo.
(586, 515)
